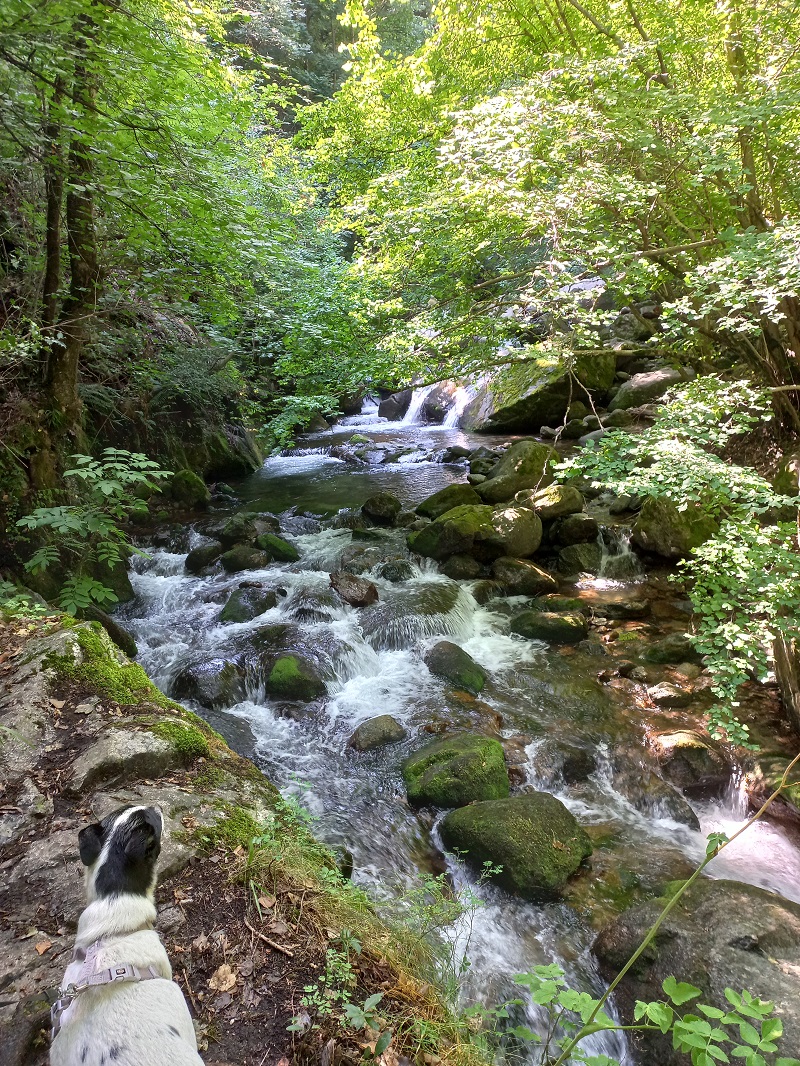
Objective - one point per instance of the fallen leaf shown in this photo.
(58, 704)
(223, 979)
(43, 946)
(201, 943)
(282, 1062)
(267, 902)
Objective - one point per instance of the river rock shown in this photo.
(522, 578)
(461, 567)
(245, 604)
(520, 399)
(395, 406)
(557, 762)
(517, 531)
(550, 626)
(554, 501)
(663, 529)
(383, 507)
(651, 795)
(642, 388)
(199, 558)
(456, 771)
(580, 559)
(458, 531)
(189, 490)
(689, 760)
(213, 683)
(121, 637)
(277, 548)
(409, 612)
(354, 590)
(669, 696)
(452, 663)
(125, 754)
(526, 465)
(243, 557)
(574, 529)
(616, 419)
(239, 529)
(722, 934)
(446, 499)
(395, 570)
(294, 677)
(672, 649)
(534, 840)
(376, 733)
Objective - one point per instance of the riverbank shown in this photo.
(253, 910)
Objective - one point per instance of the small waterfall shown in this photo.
(463, 396)
(418, 398)
(618, 561)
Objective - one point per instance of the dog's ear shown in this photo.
(144, 840)
(90, 843)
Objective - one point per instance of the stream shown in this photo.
(535, 692)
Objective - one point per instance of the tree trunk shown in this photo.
(54, 192)
(81, 302)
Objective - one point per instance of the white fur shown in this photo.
(140, 1024)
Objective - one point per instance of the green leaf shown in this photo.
(680, 992)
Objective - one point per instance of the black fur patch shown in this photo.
(132, 851)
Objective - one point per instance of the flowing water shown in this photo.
(374, 665)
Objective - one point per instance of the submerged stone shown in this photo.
(456, 771)
(534, 840)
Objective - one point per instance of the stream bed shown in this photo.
(535, 695)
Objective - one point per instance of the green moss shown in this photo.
(236, 827)
(185, 738)
(456, 771)
(280, 549)
(293, 679)
(211, 777)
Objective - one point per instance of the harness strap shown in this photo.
(123, 973)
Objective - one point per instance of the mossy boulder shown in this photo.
(245, 604)
(200, 558)
(526, 465)
(520, 577)
(456, 771)
(189, 490)
(446, 499)
(663, 529)
(550, 626)
(553, 501)
(243, 557)
(383, 508)
(534, 840)
(517, 531)
(448, 661)
(239, 529)
(458, 531)
(376, 733)
(293, 677)
(674, 648)
(578, 528)
(280, 550)
(522, 398)
(580, 559)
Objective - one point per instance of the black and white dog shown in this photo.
(118, 1004)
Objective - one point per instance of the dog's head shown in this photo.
(120, 853)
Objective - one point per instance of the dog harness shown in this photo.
(89, 977)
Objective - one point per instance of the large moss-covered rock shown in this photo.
(189, 490)
(580, 559)
(553, 627)
(517, 531)
(534, 839)
(522, 398)
(644, 388)
(456, 532)
(277, 547)
(383, 507)
(456, 771)
(522, 578)
(452, 663)
(721, 934)
(293, 677)
(553, 501)
(663, 529)
(247, 603)
(578, 528)
(239, 529)
(526, 465)
(446, 499)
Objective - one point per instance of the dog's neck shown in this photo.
(114, 916)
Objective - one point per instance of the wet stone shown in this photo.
(448, 661)
(456, 771)
(354, 590)
(376, 733)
